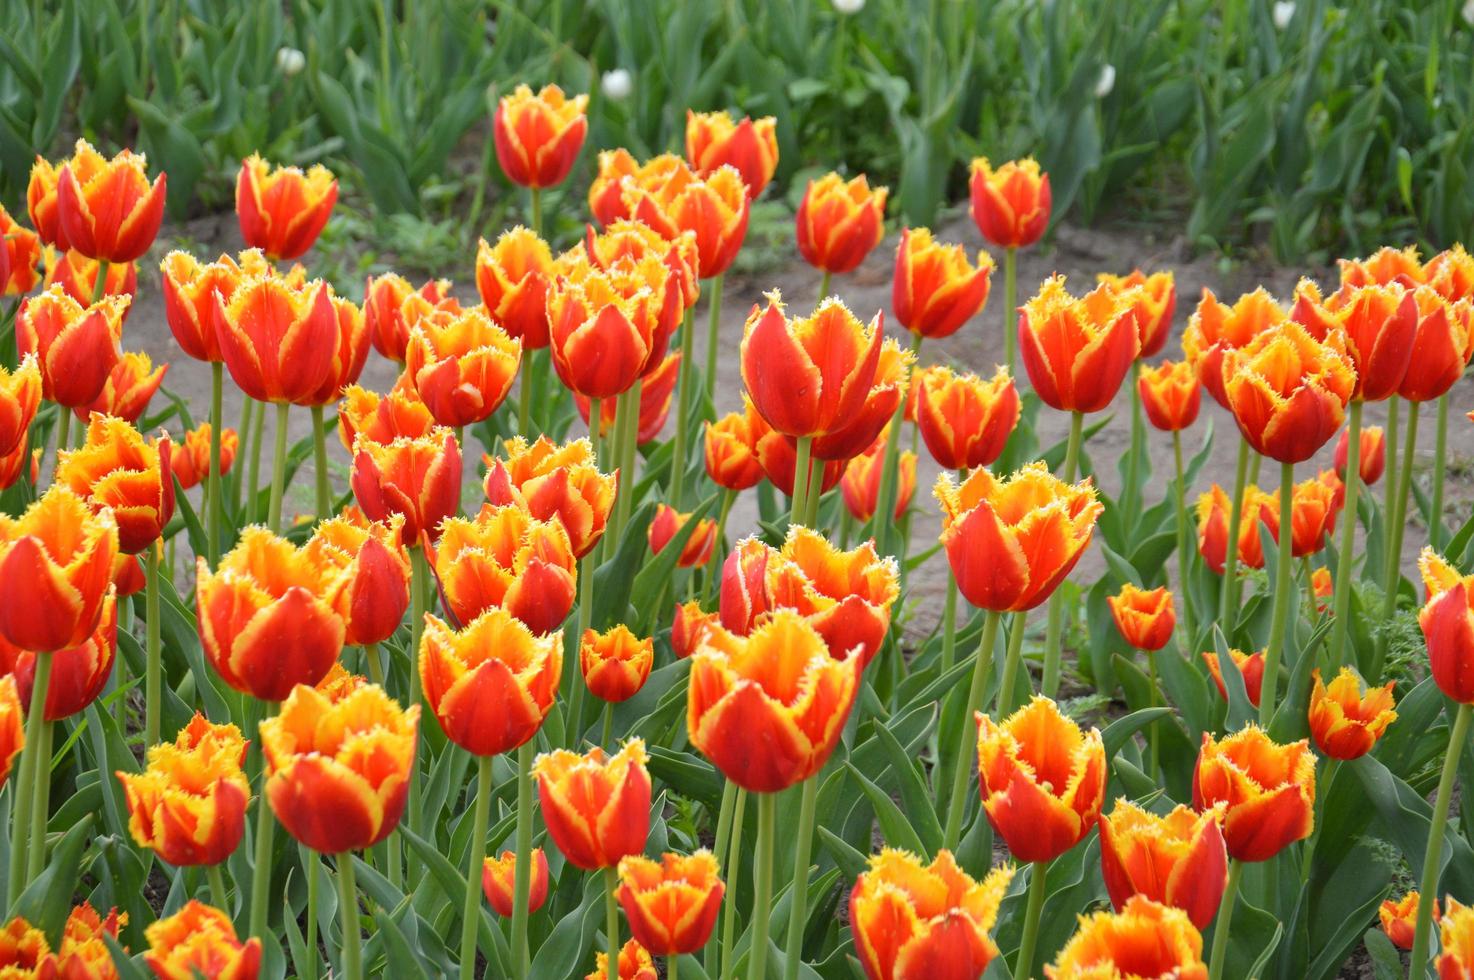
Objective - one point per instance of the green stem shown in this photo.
(63, 434)
(1012, 660)
(1054, 628)
(522, 872)
(1152, 740)
(1284, 595)
(685, 379)
(885, 495)
(258, 428)
(672, 964)
(278, 468)
(949, 625)
(713, 328)
(1038, 887)
(1396, 525)
(1308, 570)
(218, 893)
(153, 680)
(824, 286)
(1341, 597)
(608, 732)
(471, 910)
(967, 747)
(1225, 917)
(23, 801)
(1184, 555)
(371, 662)
(320, 465)
(815, 494)
(41, 807)
(719, 848)
(261, 869)
(798, 904)
(1428, 891)
(1440, 447)
(1010, 301)
(536, 194)
(732, 865)
(801, 464)
(348, 909)
(1227, 613)
(419, 587)
(314, 860)
(762, 901)
(212, 479)
(1322, 790)
(611, 921)
(243, 449)
(1389, 486)
(1131, 490)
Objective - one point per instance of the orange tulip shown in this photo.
(462, 366)
(1077, 351)
(627, 239)
(338, 772)
(76, 346)
(266, 616)
(117, 469)
(20, 397)
(714, 208)
(372, 591)
(1213, 511)
(731, 449)
(778, 458)
(964, 420)
(339, 683)
(1314, 504)
(1269, 790)
(507, 558)
(553, 481)
(78, 673)
(750, 146)
(1250, 667)
(350, 353)
(913, 920)
(1456, 942)
(656, 395)
(1155, 297)
(24, 951)
(596, 807)
(128, 389)
(860, 485)
(513, 278)
(1145, 617)
(278, 340)
(1400, 917)
(418, 478)
(56, 561)
(1441, 346)
(781, 687)
(538, 136)
(1171, 395)
(1321, 584)
(1451, 273)
(1178, 859)
(199, 941)
(1215, 329)
(1011, 205)
(12, 725)
(608, 327)
(1288, 392)
(18, 460)
(1386, 265)
(671, 904)
(1011, 542)
(282, 210)
(189, 805)
(1344, 722)
(668, 523)
(1043, 779)
(634, 964)
(382, 418)
(839, 223)
(809, 376)
(606, 192)
(1447, 620)
(492, 683)
(499, 886)
(936, 290)
(190, 460)
(392, 307)
(84, 953)
(189, 295)
(1379, 323)
(77, 274)
(887, 391)
(1143, 940)
(690, 628)
(107, 209)
(20, 254)
(616, 663)
(1372, 458)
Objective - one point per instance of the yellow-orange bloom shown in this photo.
(1213, 510)
(1011, 542)
(282, 210)
(461, 365)
(278, 340)
(1178, 859)
(538, 136)
(372, 591)
(671, 904)
(606, 191)
(1379, 324)
(418, 478)
(20, 397)
(513, 278)
(668, 523)
(1145, 617)
(1077, 351)
(24, 952)
(117, 469)
(964, 420)
(1344, 722)
(56, 561)
(199, 941)
(505, 557)
(552, 481)
(689, 628)
(20, 254)
(12, 725)
(392, 307)
(886, 393)
(382, 418)
(913, 921)
(189, 804)
(190, 288)
(1451, 272)
(634, 963)
(1250, 667)
(750, 146)
(608, 326)
(1399, 918)
(128, 389)
(840, 223)
(492, 683)
(616, 663)
(1456, 942)
(714, 208)
(1372, 456)
(860, 485)
(634, 241)
(1155, 296)
(75, 346)
(1288, 391)
(107, 209)
(596, 807)
(499, 886)
(1313, 507)
(77, 274)
(1144, 939)
(936, 289)
(1269, 789)
(730, 447)
(84, 953)
(190, 460)
(1215, 328)
(1171, 395)
(1011, 205)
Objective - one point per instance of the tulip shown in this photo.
(20, 397)
(1398, 916)
(913, 920)
(671, 904)
(1144, 939)
(350, 352)
(199, 941)
(1171, 395)
(1371, 459)
(1155, 297)
(964, 420)
(1321, 586)
(883, 402)
(117, 469)
(190, 460)
(1269, 790)
(41, 202)
(779, 459)
(20, 459)
(1214, 329)
(839, 223)
(1386, 265)
(107, 209)
(750, 146)
(1440, 346)
(1288, 391)
(266, 616)
(78, 275)
(1178, 859)
(668, 523)
(462, 366)
(507, 558)
(1250, 667)
(609, 327)
(372, 591)
(75, 346)
(57, 561)
(731, 449)
(84, 953)
(714, 208)
(129, 388)
(1077, 351)
(860, 485)
(1313, 509)
(634, 963)
(1145, 617)
(627, 239)
(615, 664)
(1447, 619)
(279, 341)
(538, 136)
(655, 400)
(552, 481)
(189, 295)
(496, 882)
(1011, 205)
(392, 307)
(691, 628)
(1456, 935)
(417, 478)
(596, 807)
(1379, 323)
(382, 418)
(1344, 722)
(936, 290)
(189, 804)
(1451, 273)
(12, 725)
(606, 192)
(20, 254)
(77, 674)
(513, 278)
(282, 210)
(24, 951)
(1212, 512)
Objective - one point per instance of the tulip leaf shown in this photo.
(198, 537)
(894, 825)
(127, 967)
(1118, 731)
(1405, 817)
(913, 791)
(47, 900)
(565, 946)
(850, 861)
(1386, 960)
(686, 773)
(1240, 710)
(401, 960)
(1124, 570)
(1349, 898)
(613, 580)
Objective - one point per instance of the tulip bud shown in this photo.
(1011, 205)
(1077, 351)
(498, 884)
(616, 663)
(596, 807)
(538, 136)
(672, 904)
(1372, 454)
(107, 209)
(282, 210)
(840, 223)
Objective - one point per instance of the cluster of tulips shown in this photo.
(331, 635)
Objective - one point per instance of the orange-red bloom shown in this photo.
(714, 208)
(1344, 722)
(1451, 272)
(936, 290)
(20, 397)
(1155, 297)
(199, 941)
(914, 921)
(1011, 542)
(538, 136)
(887, 392)
(1215, 328)
(77, 274)
(372, 592)
(552, 481)
(606, 192)
(282, 210)
(668, 523)
(1399, 918)
(266, 616)
(839, 223)
(189, 804)
(461, 365)
(20, 254)
(731, 448)
(128, 389)
(492, 683)
(1456, 942)
(1313, 507)
(419, 478)
(76, 346)
(24, 952)
(382, 418)
(498, 882)
(392, 307)
(190, 460)
(56, 561)
(1042, 779)
(17, 461)
(782, 687)
(338, 771)
(1011, 205)
(860, 485)
(513, 278)
(78, 673)
(656, 395)
(107, 209)
(505, 557)
(1177, 860)
(596, 807)
(1288, 391)
(1250, 667)
(117, 469)
(1441, 346)
(750, 146)
(1077, 351)
(1144, 939)
(964, 420)
(1379, 323)
(1269, 790)
(671, 904)
(634, 964)
(1171, 395)
(1145, 617)
(190, 288)
(610, 326)
(84, 954)
(616, 663)
(279, 340)
(350, 353)
(12, 725)
(1213, 511)
(1372, 454)
(1448, 626)
(634, 240)
(690, 628)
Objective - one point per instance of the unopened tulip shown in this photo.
(596, 807)
(671, 904)
(615, 664)
(78, 672)
(1269, 790)
(1322, 585)
(1144, 939)
(731, 449)
(714, 209)
(1448, 627)
(1372, 458)
(372, 592)
(1155, 297)
(750, 146)
(20, 397)
(392, 307)
(507, 558)
(538, 136)
(107, 209)
(461, 365)
(1313, 507)
(1398, 918)
(936, 289)
(1456, 942)
(964, 420)
(1077, 351)
(128, 389)
(278, 340)
(1250, 667)
(635, 963)
(690, 628)
(497, 874)
(282, 210)
(1178, 859)
(199, 941)
(20, 254)
(77, 274)
(1212, 512)
(1216, 328)
(382, 418)
(668, 523)
(1171, 395)
(76, 346)
(418, 478)
(513, 278)
(12, 725)
(840, 223)
(609, 327)
(56, 561)
(1012, 204)
(117, 469)
(1145, 617)
(860, 485)
(1441, 346)
(552, 481)
(190, 459)
(656, 395)
(1345, 722)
